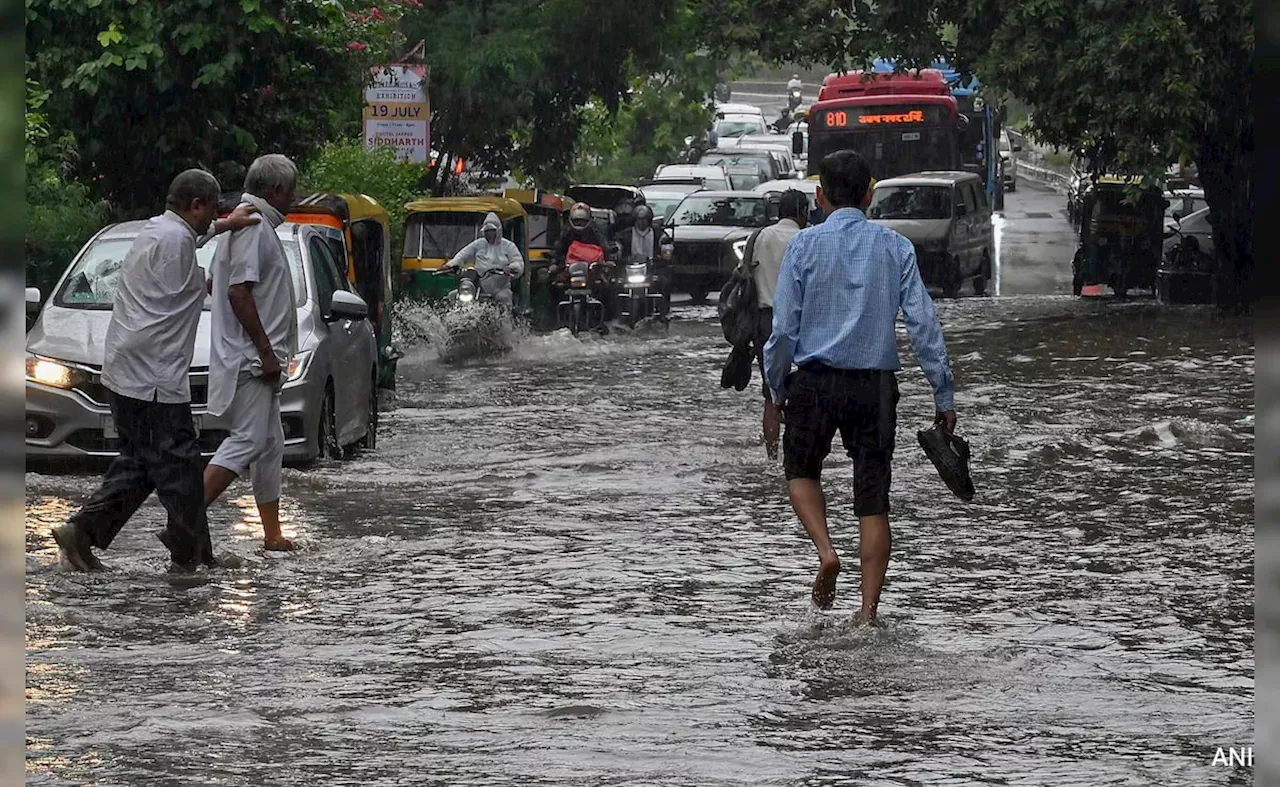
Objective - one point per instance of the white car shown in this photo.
(807, 185)
(714, 177)
(1182, 204)
(330, 395)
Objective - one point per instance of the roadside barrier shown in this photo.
(1058, 180)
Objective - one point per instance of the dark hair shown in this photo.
(191, 185)
(793, 205)
(845, 178)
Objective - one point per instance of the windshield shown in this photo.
(664, 206)
(1184, 206)
(738, 128)
(891, 152)
(745, 181)
(721, 212)
(440, 235)
(910, 202)
(93, 281)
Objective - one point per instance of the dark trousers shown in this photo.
(764, 329)
(158, 452)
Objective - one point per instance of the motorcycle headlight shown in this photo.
(298, 366)
(52, 373)
(740, 249)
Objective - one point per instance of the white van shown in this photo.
(947, 217)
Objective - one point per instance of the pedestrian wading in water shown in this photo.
(840, 289)
(254, 337)
(146, 365)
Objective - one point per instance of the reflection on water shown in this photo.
(575, 566)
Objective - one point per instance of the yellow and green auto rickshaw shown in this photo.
(436, 228)
(359, 232)
(547, 217)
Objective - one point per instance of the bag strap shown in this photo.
(749, 254)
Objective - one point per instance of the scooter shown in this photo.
(475, 325)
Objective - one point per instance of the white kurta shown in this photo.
(152, 335)
(253, 255)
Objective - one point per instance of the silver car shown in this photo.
(330, 396)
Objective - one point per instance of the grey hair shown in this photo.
(191, 185)
(270, 171)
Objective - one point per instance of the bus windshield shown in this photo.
(891, 152)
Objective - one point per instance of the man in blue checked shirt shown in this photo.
(840, 289)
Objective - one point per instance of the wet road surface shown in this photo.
(575, 566)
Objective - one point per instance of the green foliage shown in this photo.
(152, 88)
(346, 167)
(645, 132)
(509, 78)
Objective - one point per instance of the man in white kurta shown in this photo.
(254, 338)
(146, 370)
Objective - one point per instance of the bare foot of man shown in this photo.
(824, 585)
(277, 544)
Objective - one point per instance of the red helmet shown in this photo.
(580, 215)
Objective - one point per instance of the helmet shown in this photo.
(580, 215)
(643, 212)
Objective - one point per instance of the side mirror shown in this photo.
(797, 143)
(347, 306)
(33, 299)
(962, 210)
(1017, 148)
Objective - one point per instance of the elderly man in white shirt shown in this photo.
(255, 336)
(149, 347)
(770, 246)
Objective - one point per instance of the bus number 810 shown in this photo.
(837, 119)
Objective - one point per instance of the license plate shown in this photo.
(109, 428)
(911, 136)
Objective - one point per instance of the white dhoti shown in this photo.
(256, 442)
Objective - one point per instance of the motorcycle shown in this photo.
(584, 270)
(640, 300)
(795, 97)
(475, 324)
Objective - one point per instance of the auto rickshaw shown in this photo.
(437, 228)
(547, 217)
(1121, 236)
(358, 230)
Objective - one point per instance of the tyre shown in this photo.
(635, 312)
(370, 440)
(980, 281)
(1013, 185)
(698, 294)
(951, 286)
(1077, 274)
(576, 321)
(327, 434)
(999, 200)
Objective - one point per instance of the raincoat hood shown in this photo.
(492, 221)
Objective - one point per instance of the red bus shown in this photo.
(900, 123)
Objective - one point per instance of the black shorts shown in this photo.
(862, 405)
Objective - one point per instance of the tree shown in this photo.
(346, 167)
(152, 88)
(510, 78)
(1167, 78)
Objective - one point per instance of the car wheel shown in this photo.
(980, 281)
(327, 434)
(951, 286)
(370, 440)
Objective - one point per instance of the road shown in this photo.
(576, 566)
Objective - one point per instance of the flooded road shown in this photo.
(576, 566)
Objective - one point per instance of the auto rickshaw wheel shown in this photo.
(980, 281)
(698, 294)
(951, 285)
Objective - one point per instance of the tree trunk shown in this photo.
(1225, 165)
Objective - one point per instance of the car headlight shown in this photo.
(740, 249)
(298, 366)
(52, 373)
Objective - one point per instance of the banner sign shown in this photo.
(397, 112)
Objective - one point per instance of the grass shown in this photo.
(1057, 159)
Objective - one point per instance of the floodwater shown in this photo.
(576, 566)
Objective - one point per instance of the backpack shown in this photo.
(738, 299)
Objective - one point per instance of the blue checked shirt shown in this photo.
(841, 287)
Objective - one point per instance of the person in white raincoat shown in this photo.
(488, 253)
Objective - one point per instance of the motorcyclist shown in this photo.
(795, 91)
(644, 242)
(582, 229)
(488, 253)
(794, 83)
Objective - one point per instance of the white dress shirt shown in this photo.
(152, 335)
